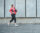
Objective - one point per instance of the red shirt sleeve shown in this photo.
(10, 11)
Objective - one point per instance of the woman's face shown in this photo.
(11, 6)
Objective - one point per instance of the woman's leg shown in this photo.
(11, 19)
(15, 21)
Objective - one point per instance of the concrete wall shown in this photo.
(30, 8)
(20, 6)
(1, 8)
(21, 20)
(38, 8)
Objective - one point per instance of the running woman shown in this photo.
(13, 13)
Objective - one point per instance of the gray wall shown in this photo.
(38, 8)
(20, 6)
(1, 8)
(30, 8)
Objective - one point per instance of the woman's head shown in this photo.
(12, 5)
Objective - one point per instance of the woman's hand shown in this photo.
(12, 12)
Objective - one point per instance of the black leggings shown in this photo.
(13, 18)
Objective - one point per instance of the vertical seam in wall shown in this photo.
(25, 8)
(4, 8)
(36, 8)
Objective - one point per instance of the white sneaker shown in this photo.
(8, 24)
(16, 25)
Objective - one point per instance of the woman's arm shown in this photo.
(10, 11)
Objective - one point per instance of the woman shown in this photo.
(13, 13)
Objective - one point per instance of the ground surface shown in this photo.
(22, 28)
